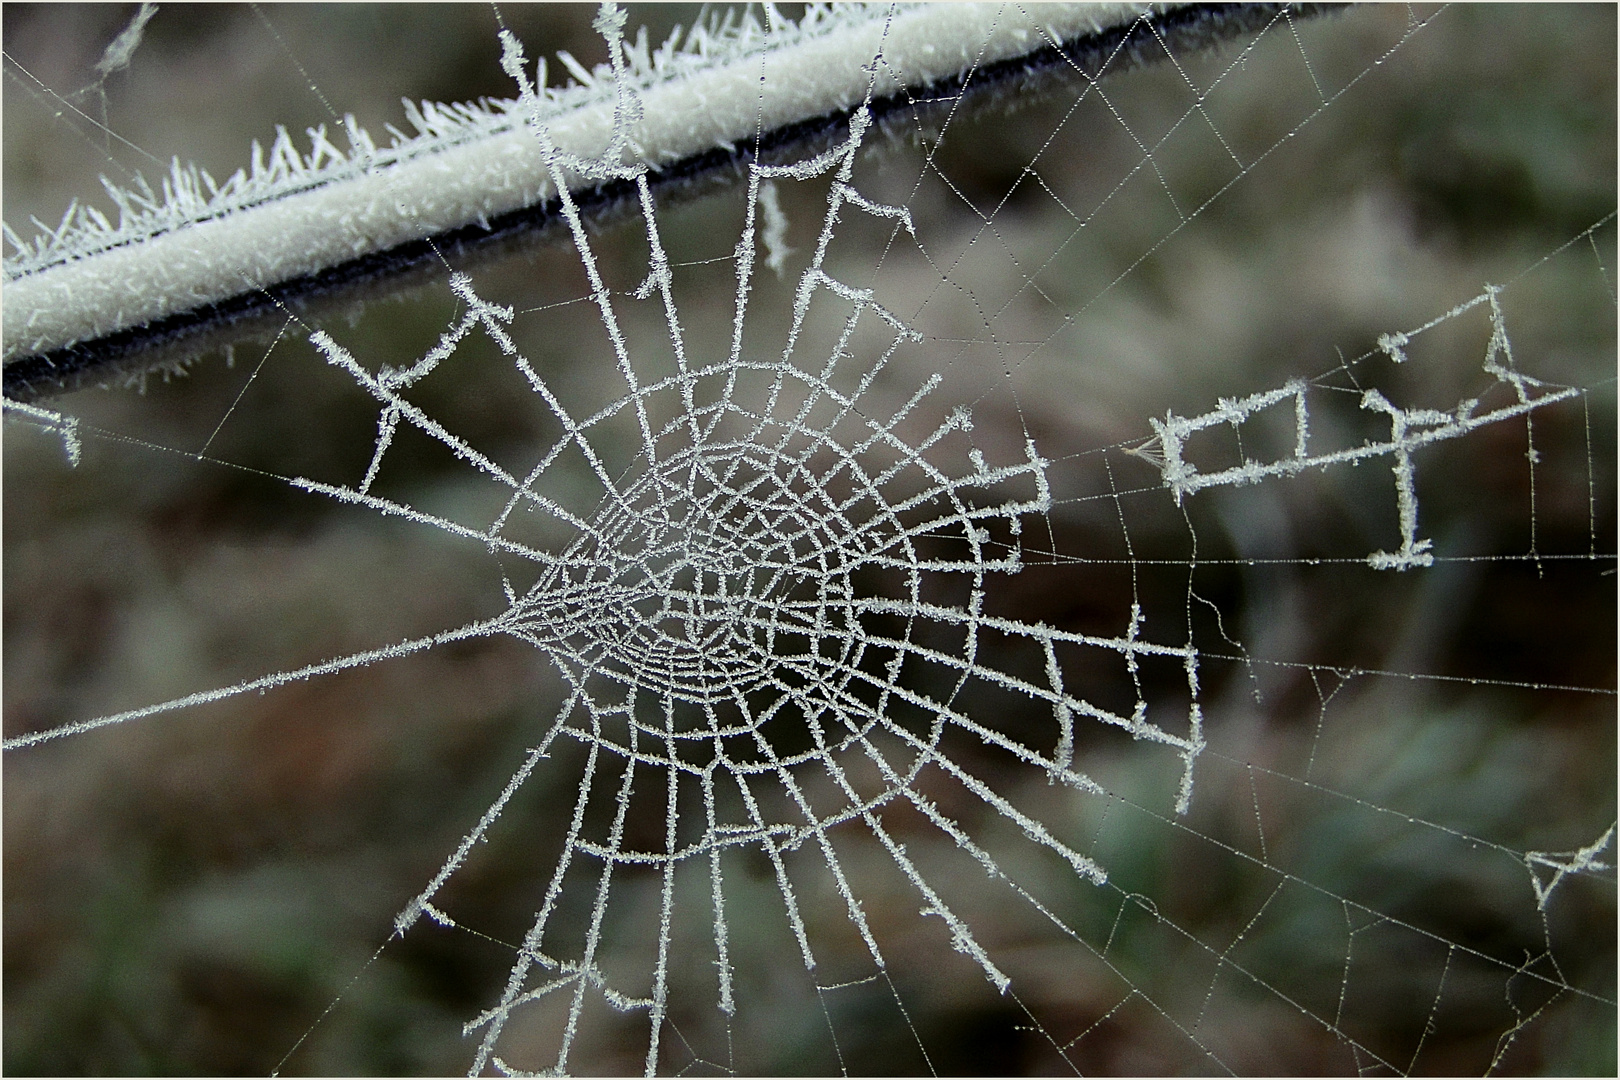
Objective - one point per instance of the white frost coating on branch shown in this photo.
(1410, 430)
(199, 242)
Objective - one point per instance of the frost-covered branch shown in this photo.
(195, 250)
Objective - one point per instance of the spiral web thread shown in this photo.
(719, 573)
(772, 558)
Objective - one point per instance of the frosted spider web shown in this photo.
(878, 691)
